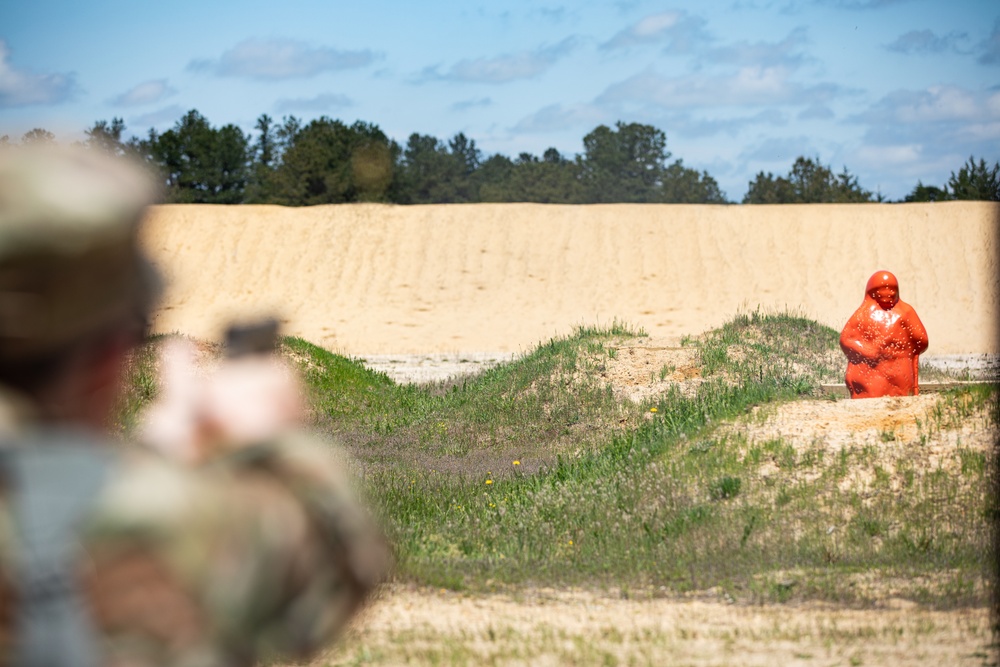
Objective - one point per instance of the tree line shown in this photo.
(327, 161)
(809, 181)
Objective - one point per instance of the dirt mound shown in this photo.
(377, 279)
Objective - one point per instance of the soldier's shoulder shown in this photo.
(296, 474)
(145, 488)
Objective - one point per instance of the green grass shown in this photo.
(603, 495)
(757, 344)
(532, 409)
(139, 387)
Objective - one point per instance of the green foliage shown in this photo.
(38, 136)
(107, 138)
(724, 487)
(624, 164)
(201, 164)
(808, 182)
(434, 173)
(758, 345)
(537, 406)
(493, 178)
(328, 162)
(552, 179)
(976, 181)
(927, 193)
(686, 186)
(264, 155)
(139, 387)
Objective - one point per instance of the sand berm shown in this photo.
(371, 278)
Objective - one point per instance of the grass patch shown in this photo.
(534, 473)
(533, 409)
(139, 387)
(759, 344)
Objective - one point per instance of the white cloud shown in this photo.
(554, 14)
(922, 132)
(993, 104)
(504, 68)
(816, 112)
(862, 4)
(786, 53)
(934, 104)
(169, 114)
(985, 131)
(653, 26)
(760, 83)
(324, 102)
(752, 85)
(887, 156)
(464, 105)
(778, 150)
(699, 125)
(678, 31)
(146, 92)
(277, 59)
(559, 117)
(925, 42)
(990, 47)
(21, 88)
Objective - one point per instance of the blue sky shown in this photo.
(895, 90)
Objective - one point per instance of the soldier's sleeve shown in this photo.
(263, 552)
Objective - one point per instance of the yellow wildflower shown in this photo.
(489, 481)
(652, 410)
(517, 463)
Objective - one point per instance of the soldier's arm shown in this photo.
(262, 552)
(257, 520)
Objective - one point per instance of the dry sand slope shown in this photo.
(368, 278)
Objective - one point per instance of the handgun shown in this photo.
(252, 338)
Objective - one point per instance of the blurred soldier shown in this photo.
(883, 341)
(237, 537)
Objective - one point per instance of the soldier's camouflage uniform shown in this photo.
(112, 554)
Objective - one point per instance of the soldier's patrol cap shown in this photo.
(70, 262)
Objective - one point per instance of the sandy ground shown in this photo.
(419, 626)
(545, 626)
(428, 292)
(638, 372)
(560, 627)
(376, 280)
(433, 366)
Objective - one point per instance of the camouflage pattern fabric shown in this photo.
(70, 263)
(263, 552)
(238, 541)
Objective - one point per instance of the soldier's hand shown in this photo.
(202, 411)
